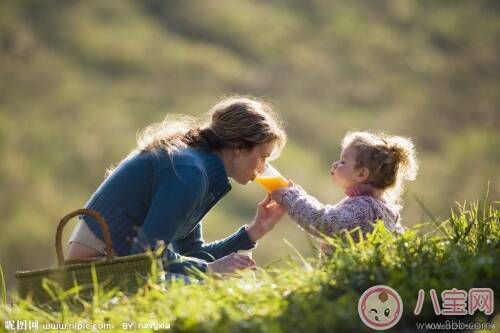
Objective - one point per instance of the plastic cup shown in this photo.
(250, 272)
(271, 179)
(246, 252)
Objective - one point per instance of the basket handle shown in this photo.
(98, 217)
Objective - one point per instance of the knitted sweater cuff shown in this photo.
(240, 240)
(287, 195)
(183, 265)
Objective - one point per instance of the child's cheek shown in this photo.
(340, 172)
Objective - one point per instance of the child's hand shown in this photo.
(276, 194)
(268, 214)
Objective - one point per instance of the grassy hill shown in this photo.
(78, 79)
(461, 252)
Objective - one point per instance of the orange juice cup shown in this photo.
(271, 179)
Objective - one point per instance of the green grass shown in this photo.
(311, 296)
(3, 290)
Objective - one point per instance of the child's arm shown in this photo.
(319, 219)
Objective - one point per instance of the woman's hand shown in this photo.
(231, 263)
(267, 215)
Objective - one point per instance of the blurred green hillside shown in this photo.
(78, 79)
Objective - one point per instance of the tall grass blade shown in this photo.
(3, 289)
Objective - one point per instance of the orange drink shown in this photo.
(271, 179)
(272, 183)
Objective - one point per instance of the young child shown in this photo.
(371, 171)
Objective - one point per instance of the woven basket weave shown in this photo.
(126, 273)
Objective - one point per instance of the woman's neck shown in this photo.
(223, 155)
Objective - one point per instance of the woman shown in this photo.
(177, 173)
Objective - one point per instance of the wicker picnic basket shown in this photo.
(126, 273)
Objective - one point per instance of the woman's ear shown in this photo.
(362, 174)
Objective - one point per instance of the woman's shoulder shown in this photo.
(135, 163)
(184, 156)
(188, 164)
(161, 160)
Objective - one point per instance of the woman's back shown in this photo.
(155, 180)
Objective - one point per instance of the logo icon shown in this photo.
(380, 307)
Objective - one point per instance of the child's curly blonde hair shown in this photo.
(390, 159)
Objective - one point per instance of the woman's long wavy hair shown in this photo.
(241, 122)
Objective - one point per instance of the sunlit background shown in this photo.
(78, 79)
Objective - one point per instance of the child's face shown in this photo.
(343, 172)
